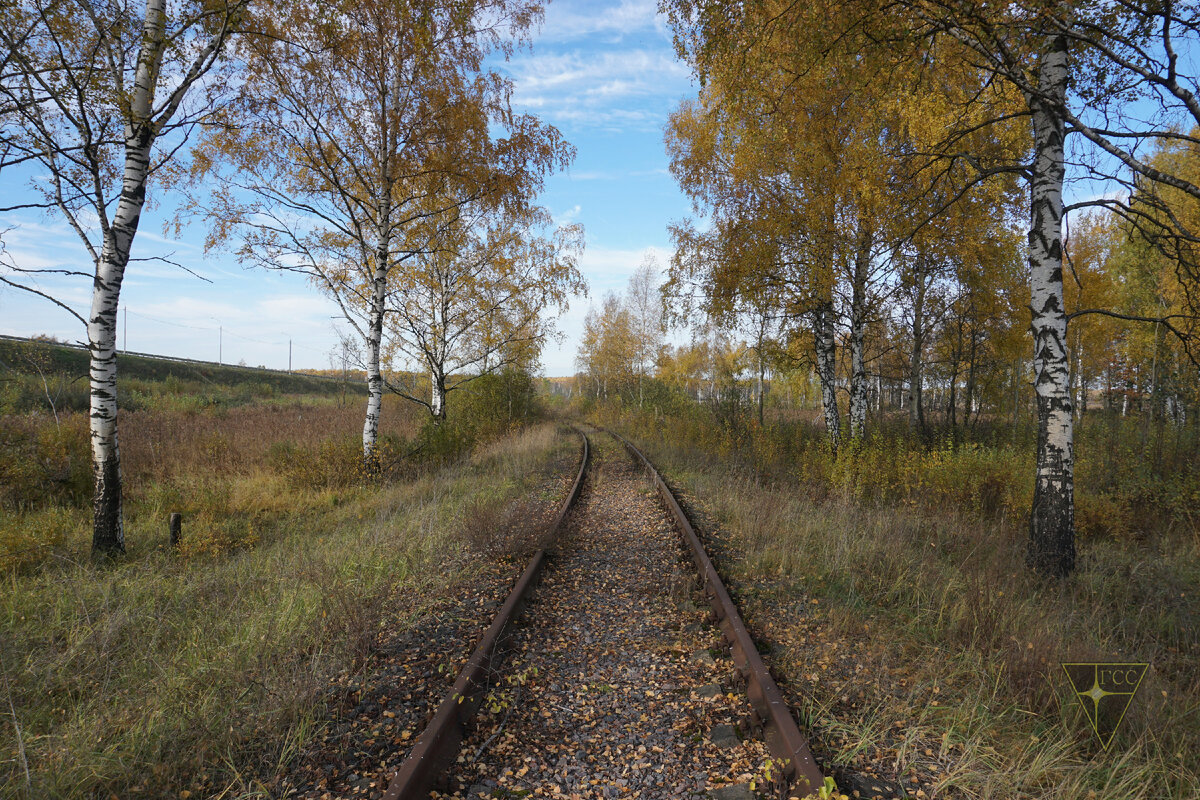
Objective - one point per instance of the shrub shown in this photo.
(333, 463)
(212, 535)
(43, 463)
(27, 539)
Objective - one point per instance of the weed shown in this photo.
(922, 546)
(202, 669)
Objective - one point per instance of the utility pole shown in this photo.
(289, 356)
(220, 344)
(126, 348)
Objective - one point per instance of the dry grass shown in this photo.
(225, 470)
(948, 631)
(160, 444)
(513, 532)
(202, 669)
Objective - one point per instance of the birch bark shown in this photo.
(858, 323)
(374, 338)
(824, 340)
(916, 416)
(108, 531)
(437, 402)
(1052, 519)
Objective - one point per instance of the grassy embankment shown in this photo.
(891, 580)
(200, 669)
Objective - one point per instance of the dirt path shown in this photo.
(612, 688)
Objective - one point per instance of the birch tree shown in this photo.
(358, 121)
(644, 303)
(1057, 68)
(1081, 68)
(607, 347)
(98, 98)
(759, 240)
(478, 298)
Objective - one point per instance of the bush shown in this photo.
(213, 535)
(43, 463)
(492, 405)
(330, 464)
(484, 409)
(1131, 478)
(27, 539)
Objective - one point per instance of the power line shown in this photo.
(224, 330)
(166, 322)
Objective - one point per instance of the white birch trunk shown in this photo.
(858, 323)
(108, 530)
(1052, 520)
(761, 385)
(824, 340)
(374, 339)
(437, 401)
(916, 417)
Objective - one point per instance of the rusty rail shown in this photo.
(439, 743)
(784, 738)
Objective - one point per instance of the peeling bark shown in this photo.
(1052, 519)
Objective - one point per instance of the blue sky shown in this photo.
(604, 73)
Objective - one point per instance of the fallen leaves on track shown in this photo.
(375, 714)
(614, 686)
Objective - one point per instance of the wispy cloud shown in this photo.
(575, 19)
(570, 215)
(630, 87)
(608, 269)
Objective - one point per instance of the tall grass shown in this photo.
(219, 468)
(913, 552)
(198, 671)
(1133, 477)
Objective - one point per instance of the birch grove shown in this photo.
(357, 124)
(98, 98)
(1006, 85)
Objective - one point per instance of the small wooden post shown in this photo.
(176, 527)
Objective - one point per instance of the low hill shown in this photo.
(31, 369)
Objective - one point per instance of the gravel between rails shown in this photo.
(374, 714)
(613, 687)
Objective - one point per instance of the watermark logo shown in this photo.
(1105, 691)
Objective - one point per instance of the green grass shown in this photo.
(39, 375)
(168, 672)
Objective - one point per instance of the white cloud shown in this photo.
(608, 269)
(569, 215)
(621, 72)
(622, 88)
(566, 20)
(164, 309)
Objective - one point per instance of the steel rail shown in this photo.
(438, 745)
(783, 736)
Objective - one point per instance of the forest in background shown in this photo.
(969, 218)
(924, 360)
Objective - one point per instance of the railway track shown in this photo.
(611, 684)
